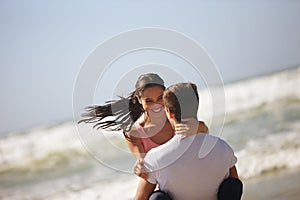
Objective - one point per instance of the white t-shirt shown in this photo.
(192, 168)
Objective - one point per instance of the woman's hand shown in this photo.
(190, 126)
(187, 127)
(139, 170)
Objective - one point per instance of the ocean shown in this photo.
(262, 125)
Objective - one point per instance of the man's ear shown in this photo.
(169, 113)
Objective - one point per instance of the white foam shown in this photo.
(20, 149)
(122, 188)
(247, 94)
(273, 152)
(266, 89)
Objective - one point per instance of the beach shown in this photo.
(281, 185)
(55, 162)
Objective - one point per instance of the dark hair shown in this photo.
(182, 100)
(124, 112)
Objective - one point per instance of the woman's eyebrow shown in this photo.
(160, 96)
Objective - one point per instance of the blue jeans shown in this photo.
(159, 195)
(230, 189)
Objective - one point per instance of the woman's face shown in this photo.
(151, 97)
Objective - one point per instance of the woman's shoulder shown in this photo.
(133, 133)
(133, 136)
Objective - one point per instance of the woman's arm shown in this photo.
(190, 126)
(144, 190)
(137, 149)
(135, 145)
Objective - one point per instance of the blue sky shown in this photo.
(44, 43)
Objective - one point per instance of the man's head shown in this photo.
(181, 101)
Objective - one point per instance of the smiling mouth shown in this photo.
(157, 110)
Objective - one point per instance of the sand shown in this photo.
(283, 185)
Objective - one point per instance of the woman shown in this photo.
(141, 117)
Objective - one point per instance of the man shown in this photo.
(187, 169)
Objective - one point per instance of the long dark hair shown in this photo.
(116, 115)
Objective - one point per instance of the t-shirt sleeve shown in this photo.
(233, 159)
(151, 167)
(231, 156)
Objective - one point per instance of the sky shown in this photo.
(45, 43)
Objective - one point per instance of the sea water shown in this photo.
(262, 125)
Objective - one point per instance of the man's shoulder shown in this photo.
(163, 152)
(209, 142)
(161, 149)
(209, 137)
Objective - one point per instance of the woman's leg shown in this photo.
(230, 189)
(159, 195)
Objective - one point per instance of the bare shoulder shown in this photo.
(134, 143)
(133, 135)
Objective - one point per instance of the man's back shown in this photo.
(179, 171)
